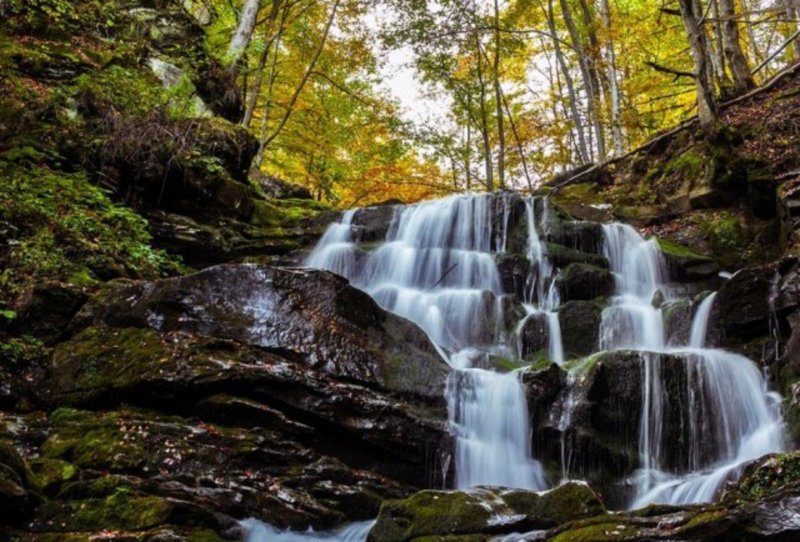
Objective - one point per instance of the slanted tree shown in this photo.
(731, 44)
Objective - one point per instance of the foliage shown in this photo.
(66, 229)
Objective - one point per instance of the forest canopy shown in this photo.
(522, 89)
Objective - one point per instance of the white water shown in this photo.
(256, 531)
(697, 337)
(437, 269)
(732, 418)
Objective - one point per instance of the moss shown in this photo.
(581, 366)
(676, 250)
(122, 510)
(688, 164)
(49, 474)
(67, 229)
(773, 476)
(108, 359)
(277, 213)
(600, 532)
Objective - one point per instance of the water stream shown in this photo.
(437, 267)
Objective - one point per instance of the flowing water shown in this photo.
(731, 417)
(437, 267)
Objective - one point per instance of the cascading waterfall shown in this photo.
(256, 531)
(731, 416)
(541, 288)
(437, 269)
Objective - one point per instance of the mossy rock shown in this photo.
(584, 282)
(775, 475)
(482, 511)
(48, 475)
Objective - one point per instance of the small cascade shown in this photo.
(697, 337)
(437, 267)
(489, 414)
(730, 417)
(256, 531)
(541, 288)
(631, 320)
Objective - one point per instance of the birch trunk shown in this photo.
(617, 136)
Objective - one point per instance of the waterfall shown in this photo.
(631, 320)
(437, 268)
(730, 417)
(697, 337)
(255, 531)
(541, 288)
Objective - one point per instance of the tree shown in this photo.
(698, 44)
(742, 78)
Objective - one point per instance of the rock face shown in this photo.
(482, 511)
(248, 391)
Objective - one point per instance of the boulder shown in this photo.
(481, 512)
(45, 311)
(685, 265)
(514, 271)
(312, 316)
(580, 326)
(371, 224)
(578, 235)
(562, 256)
(677, 315)
(584, 282)
(534, 335)
(743, 303)
(297, 352)
(275, 188)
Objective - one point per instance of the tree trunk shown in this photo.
(588, 79)
(706, 101)
(519, 145)
(717, 54)
(468, 150)
(244, 30)
(792, 8)
(742, 79)
(498, 96)
(613, 86)
(487, 148)
(583, 148)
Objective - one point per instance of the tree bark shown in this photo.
(611, 67)
(742, 79)
(588, 79)
(706, 100)
(498, 94)
(487, 148)
(717, 51)
(583, 148)
(244, 30)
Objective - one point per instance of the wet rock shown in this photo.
(685, 265)
(275, 188)
(562, 256)
(583, 236)
(677, 317)
(743, 303)
(371, 224)
(45, 311)
(15, 502)
(534, 335)
(312, 316)
(482, 511)
(514, 270)
(584, 282)
(580, 325)
(139, 469)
